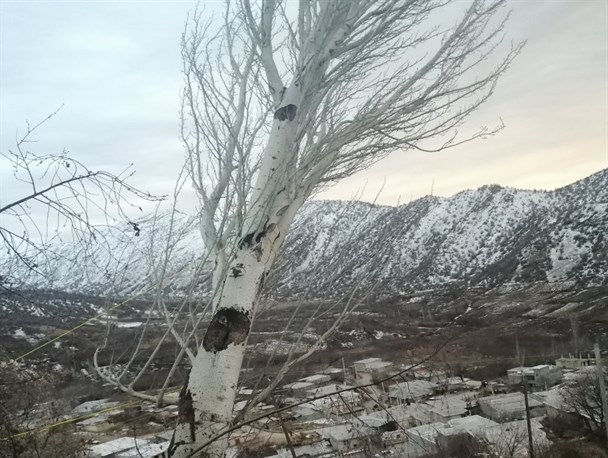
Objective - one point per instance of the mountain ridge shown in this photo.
(489, 236)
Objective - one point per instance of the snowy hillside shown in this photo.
(489, 236)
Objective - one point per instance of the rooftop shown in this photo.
(94, 406)
(317, 378)
(116, 446)
(427, 432)
(328, 389)
(348, 431)
(379, 364)
(319, 448)
(299, 385)
(505, 435)
(472, 423)
(411, 389)
(552, 398)
(145, 451)
(367, 360)
(332, 370)
(449, 405)
(509, 402)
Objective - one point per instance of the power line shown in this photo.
(87, 321)
(68, 421)
(83, 417)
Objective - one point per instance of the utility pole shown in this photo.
(528, 422)
(524, 387)
(601, 381)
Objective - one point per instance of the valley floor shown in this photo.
(470, 335)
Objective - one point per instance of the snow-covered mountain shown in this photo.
(489, 236)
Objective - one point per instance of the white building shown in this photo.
(448, 407)
(317, 379)
(353, 441)
(346, 402)
(94, 406)
(299, 388)
(363, 364)
(129, 447)
(511, 438)
(318, 450)
(508, 407)
(371, 371)
(406, 392)
(425, 437)
(541, 376)
(472, 426)
(498, 439)
(574, 363)
(554, 402)
(451, 384)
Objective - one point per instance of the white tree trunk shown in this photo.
(207, 400)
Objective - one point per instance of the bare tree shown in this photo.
(582, 396)
(61, 199)
(26, 401)
(281, 101)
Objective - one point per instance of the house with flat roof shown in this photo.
(321, 449)
(499, 439)
(126, 447)
(508, 407)
(401, 414)
(573, 362)
(554, 402)
(425, 437)
(373, 372)
(465, 428)
(541, 376)
(352, 440)
(406, 392)
(448, 407)
(299, 387)
(317, 379)
(511, 438)
(452, 384)
(342, 403)
(363, 364)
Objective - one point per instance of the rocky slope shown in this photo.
(489, 237)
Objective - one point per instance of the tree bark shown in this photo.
(207, 399)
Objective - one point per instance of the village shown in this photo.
(372, 408)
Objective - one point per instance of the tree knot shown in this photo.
(288, 112)
(228, 326)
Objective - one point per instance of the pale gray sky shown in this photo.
(115, 65)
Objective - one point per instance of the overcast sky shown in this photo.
(115, 66)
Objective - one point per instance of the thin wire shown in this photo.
(78, 326)
(82, 417)
(89, 320)
(68, 421)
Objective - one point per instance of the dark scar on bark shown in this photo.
(247, 240)
(288, 112)
(228, 326)
(267, 228)
(237, 271)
